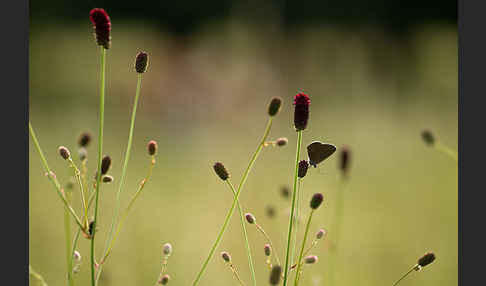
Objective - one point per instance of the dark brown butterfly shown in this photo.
(319, 152)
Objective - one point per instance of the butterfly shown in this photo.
(319, 152)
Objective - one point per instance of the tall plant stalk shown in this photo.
(299, 261)
(100, 154)
(243, 226)
(67, 235)
(291, 221)
(336, 230)
(235, 200)
(405, 275)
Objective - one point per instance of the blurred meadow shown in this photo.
(204, 99)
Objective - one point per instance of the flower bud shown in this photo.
(77, 256)
(301, 113)
(152, 147)
(141, 62)
(282, 141)
(102, 26)
(275, 275)
(84, 139)
(105, 164)
(267, 249)
(316, 200)
(344, 160)
(274, 106)
(221, 171)
(167, 249)
(303, 167)
(64, 152)
(428, 137)
(164, 279)
(226, 257)
(311, 259)
(250, 218)
(320, 234)
(107, 179)
(82, 153)
(426, 259)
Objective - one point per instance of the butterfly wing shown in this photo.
(319, 152)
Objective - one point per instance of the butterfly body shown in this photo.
(318, 152)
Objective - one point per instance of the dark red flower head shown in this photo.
(102, 25)
(344, 160)
(301, 115)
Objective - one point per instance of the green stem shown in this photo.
(446, 150)
(243, 226)
(296, 221)
(75, 245)
(37, 276)
(336, 229)
(299, 262)
(269, 242)
(67, 234)
(235, 200)
(77, 174)
(405, 275)
(125, 164)
(291, 221)
(52, 178)
(100, 154)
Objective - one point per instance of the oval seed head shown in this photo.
(105, 164)
(344, 160)
(141, 62)
(250, 218)
(167, 249)
(311, 259)
(152, 147)
(320, 234)
(426, 259)
(301, 113)
(428, 137)
(107, 179)
(64, 152)
(102, 26)
(282, 141)
(164, 279)
(267, 249)
(82, 153)
(221, 171)
(303, 167)
(226, 257)
(316, 200)
(275, 275)
(77, 256)
(84, 139)
(274, 106)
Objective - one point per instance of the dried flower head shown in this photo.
(282, 141)
(426, 260)
(141, 62)
(107, 179)
(226, 257)
(311, 259)
(250, 218)
(320, 234)
(102, 26)
(152, 147)
(82, 153)
(428, 137)
(344, 160)
(275, 275)
(274, 106)
(167, 249)
(316, 200)
(164, 279)
(301, 113)
(303, 167)
(64, 152)
(105, 164)
(285, 191)
(84, 139)
(221, 171)
(267, 249)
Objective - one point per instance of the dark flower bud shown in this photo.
(167, 249)
(221, 171)
(311, 259)
(105, 164)
(275, 275)
(164, 279)
(226, 257)
(141, 62)
(82, 153)
(274, 106)
(316, 200)
(282, 141)
(428, 137)
(64, 152)
(285, 191)
(267, 249)
(250, 218)
(303, 167)
(91, 227)
(344, 160)
(102, 26)
(152, 147)
(107, 179)
(270, 210)
(426, 259)
(301, 113)
(84, 139)
(320, 234)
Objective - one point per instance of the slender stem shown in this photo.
(162, 270)
(243, 226)
(100, 154)
(75, 245)
(446, 150)
(336, 230)
(125, 166)
(77, 174)
(53, 178)
(291, 222)
(67, 234)
(405, 275)
(235, 273)
(269, 242)
(37, 276)
(299, 262)
(296, 221)
(235, 200)
(125, 213)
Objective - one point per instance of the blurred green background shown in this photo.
(373, 87)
